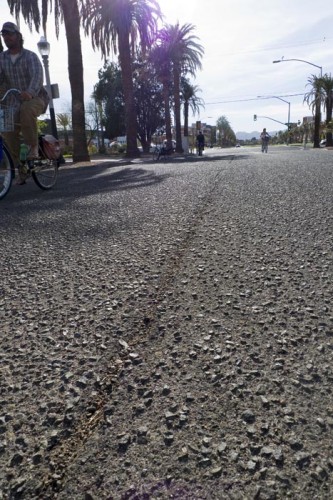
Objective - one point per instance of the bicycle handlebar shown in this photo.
(10, 91)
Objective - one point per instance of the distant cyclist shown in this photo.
(265, 137)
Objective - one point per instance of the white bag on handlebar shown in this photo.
(51, 147)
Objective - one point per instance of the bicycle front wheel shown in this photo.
(6, 172)
(45, 173)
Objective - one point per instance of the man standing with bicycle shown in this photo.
(21, 69)
(265, 137)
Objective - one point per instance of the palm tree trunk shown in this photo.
(316, 132)
(166, 98)
(186, 109)
(176, 82)
(186, 141)
(329, 110)
(127, 80)
(75, 71)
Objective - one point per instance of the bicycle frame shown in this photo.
(43, 170)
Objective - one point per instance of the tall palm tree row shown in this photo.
(184, 53)
(116, 25)
(35, 13)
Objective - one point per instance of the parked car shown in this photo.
(322, 143)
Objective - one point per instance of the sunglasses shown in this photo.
(8, 33)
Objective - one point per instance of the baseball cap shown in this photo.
(11, 27)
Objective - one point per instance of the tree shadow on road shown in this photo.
(192, 158)
(76, 182)
(84, 181)
(88, 178)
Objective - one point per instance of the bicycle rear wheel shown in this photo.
(156, 154)
(6, 172)
(45, 172)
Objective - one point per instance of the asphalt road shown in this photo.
(196, 291)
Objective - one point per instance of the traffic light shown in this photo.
(255, 118)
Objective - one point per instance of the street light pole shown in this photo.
(301, 60)
(317, 108)
(44, 50)
(276, 97)
(280, 98)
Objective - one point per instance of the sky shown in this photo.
(241, 39)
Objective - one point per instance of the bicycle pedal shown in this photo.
(23, 169)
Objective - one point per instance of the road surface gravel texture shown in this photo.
(167, 328)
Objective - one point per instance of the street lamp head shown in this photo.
(43, 47)
(300, 60)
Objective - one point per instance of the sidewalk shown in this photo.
(97, 159)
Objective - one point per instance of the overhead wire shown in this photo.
(324, 39)
(252, 99)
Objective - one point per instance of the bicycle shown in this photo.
(43, 170)
(162, 151)
(264, 146)
(264, 136)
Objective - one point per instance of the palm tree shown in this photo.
(185, 55)
(115, 25)
(63, 121)
(313, 99)
(71, 17)
(326, 84)
(160, 59)
(67, 11)
(190, 101)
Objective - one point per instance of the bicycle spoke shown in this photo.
(45, 173)
(6, 174)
